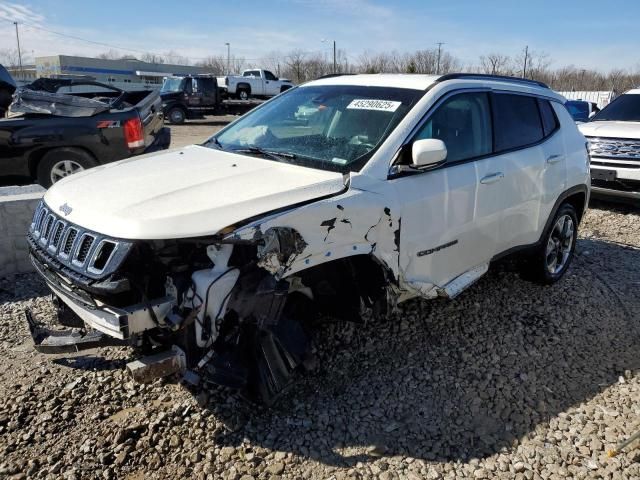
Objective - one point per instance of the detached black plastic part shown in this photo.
(66, 341)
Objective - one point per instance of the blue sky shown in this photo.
(587, 33)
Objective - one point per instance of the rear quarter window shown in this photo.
(549, 120)
(516, 121)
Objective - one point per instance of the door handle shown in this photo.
(492, 178)
(551, 159)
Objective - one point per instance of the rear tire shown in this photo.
(176, 116)
(62, 162)
(244, 94)
(552, 258)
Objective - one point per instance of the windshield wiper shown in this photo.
(216, 142)
(278, 156)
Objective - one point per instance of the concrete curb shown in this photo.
(16, 212)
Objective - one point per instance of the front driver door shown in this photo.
(271, 84)
(451, 214)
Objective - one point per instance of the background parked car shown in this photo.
(254, 83)
(581, 110)
(187, 97)
(7, 87)
(57, 134)
(614, 147)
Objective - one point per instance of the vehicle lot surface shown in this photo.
(197, 131)
(510, 380)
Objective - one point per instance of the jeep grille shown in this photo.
(79, 249)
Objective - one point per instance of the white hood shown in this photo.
(194, 191)
(610, 129)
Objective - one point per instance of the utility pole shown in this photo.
(439, 52)
(228, 58)
(526, 56)
(335, 68)
(19, 53)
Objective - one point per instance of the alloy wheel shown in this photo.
(560, 244)
(64, 168)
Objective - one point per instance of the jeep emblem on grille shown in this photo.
(66, 209)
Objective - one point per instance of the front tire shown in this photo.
(62, 162)
(176, 116)
(552, 258)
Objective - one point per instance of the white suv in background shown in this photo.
(388, 187)
(614, 146)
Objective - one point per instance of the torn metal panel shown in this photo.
(327, 230)
(278, 246)
(58, 104)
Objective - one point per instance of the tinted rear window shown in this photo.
(549, 119)
(516, 121)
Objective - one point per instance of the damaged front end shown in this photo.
(219, 309)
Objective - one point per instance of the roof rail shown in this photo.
(333, 75)
(483, 76)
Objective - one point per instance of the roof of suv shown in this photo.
(398, 80)
(422, 82)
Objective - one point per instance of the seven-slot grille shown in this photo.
(82, 250)
(614, 152)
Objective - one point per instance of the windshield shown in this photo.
(578, 110)
(336, 127)
(625, 108)
(173, 84)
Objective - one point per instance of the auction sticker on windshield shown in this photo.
(380, 105)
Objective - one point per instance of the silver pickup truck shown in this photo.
(256, 82)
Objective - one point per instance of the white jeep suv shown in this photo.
(385, 188)
(614, 145)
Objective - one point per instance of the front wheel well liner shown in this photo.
(341, 285)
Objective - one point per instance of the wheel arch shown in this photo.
(36, 156)
(243, 86)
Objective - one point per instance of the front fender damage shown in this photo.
(278, 250)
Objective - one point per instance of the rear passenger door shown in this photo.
(518, 134)
(520, 141)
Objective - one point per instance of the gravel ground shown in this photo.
(511, 380)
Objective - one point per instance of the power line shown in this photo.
(117, 47)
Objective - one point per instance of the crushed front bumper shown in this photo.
(118, 323)
(66, 341)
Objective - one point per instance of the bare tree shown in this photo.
(152, 58)
(9, 57)
(175, 58)
(217, 65)
(110, 55)
(495, 64)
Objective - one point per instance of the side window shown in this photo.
(206, 85)
(549, 119)
(269, 76)
(463, 123)
(516, 121)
